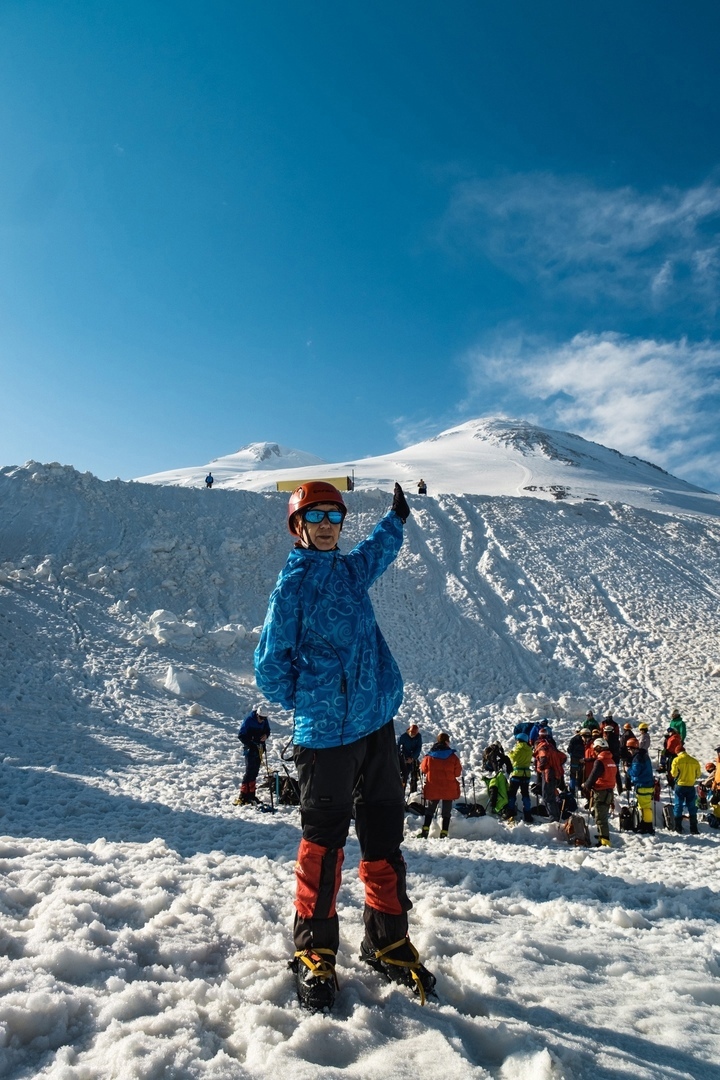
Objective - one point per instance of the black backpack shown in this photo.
(629, 819)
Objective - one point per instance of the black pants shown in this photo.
(445, 812)
(361, 780)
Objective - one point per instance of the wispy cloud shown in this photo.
(658, 400)
(619, 243)
(410, 430)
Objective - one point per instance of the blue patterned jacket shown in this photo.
(321, 651)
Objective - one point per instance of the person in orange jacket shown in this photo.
(441, 768)
(601, 782)
(713, 782)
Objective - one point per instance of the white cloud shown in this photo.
(616, 243)
(657, 400)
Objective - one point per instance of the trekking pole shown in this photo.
(269, 779)
(474, 795)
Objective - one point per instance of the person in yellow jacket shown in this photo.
(521, 757)
(686, 771)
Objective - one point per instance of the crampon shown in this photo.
(399, 968)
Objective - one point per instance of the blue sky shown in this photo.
(347, 226)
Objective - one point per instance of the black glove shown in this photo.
(400, 505)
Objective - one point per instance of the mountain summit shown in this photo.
(489, 456)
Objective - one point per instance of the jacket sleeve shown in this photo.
(457, 766)
(275, 672)
(371, 557)
(597, 770)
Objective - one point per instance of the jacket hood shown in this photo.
(440, 750)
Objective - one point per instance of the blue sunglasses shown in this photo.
(335, 517)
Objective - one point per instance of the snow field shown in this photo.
(145, 921)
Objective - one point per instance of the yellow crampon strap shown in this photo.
(381, 954)
(321, 969)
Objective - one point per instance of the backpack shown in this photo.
(524, 727)
(629, 819)
(576, 831)
(668, 816)
(493, 758)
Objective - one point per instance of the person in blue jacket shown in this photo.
(409, 749)
(321, 654)
(641, 776)
(253, 734)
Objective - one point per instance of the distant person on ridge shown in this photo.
(441, 768)
(422, 487)
(209, 480)
(321, 653)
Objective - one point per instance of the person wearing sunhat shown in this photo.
(321, 654)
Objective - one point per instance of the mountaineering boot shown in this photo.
(315, 978)
(678, 824)
(694, 828)
(246, 800)
(400, 963)
(443, 834)
(527, 817)
(602, 842)
(423, 834)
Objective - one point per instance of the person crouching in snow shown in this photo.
(441, 768)
(521, 757)
(601, 782)
(253, 734)
(321, 653)
(713, 770)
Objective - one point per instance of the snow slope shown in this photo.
(493, 456)
(144, 920)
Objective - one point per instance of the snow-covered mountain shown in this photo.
(492, 456)
(144, 920)
(253, 458)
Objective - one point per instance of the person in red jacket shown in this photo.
(672, 747)
(441, 768)
(549, 765)
(601, 782)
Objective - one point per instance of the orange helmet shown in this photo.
(307, 495)
(632, 744)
